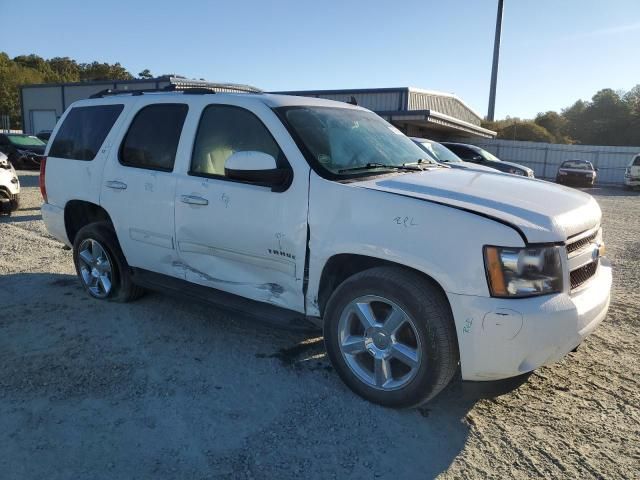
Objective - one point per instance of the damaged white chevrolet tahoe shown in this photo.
(297, 208)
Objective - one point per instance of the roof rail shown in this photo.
(209, 88)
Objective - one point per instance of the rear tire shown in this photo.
(100, 264)
(390, 335)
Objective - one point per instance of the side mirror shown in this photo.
(596, 169)
(258, 168)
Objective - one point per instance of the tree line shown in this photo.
(609, 118)
(30, 69)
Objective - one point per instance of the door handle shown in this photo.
(193, 200)
(116, 185)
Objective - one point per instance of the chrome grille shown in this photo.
(580, 275)
(580, 244)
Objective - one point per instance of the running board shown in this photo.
(263, 312)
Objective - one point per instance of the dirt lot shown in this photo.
(166, 388)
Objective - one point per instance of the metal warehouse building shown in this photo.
(414, 111)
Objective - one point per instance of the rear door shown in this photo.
(138, 186)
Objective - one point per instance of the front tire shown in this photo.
(101, 266)
(390, 335)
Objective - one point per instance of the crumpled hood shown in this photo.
(542, 211)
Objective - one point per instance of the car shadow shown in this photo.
(13, 218)
(28, 178)
(163, 374)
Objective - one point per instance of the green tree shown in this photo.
(555, 124)
(526, 131)
(65, 69)
(145, 74)
(103, 71)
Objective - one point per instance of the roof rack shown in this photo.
(208, 88)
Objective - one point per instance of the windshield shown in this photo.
(342, 139)
(580, 165)
(440, 152)
(25, 141)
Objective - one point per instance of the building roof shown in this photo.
(409, 105)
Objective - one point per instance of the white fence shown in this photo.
(545, 158)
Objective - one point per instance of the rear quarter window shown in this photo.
(83, 132)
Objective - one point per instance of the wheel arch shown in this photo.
(78, 213)
(341, 266)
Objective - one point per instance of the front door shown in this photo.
(138, 187)
(239, 237)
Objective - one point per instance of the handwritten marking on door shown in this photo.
(405, 222)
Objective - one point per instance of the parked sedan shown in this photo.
(442, 154)
(44, 135)
(24, 151)
(577, 172)
(479, 156)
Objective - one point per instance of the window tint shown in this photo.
(83, 132)
(152, 139)
(224, 130)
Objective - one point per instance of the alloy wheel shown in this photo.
(379, 342)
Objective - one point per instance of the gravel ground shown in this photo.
(166, 388)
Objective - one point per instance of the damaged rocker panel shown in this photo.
(279, 264)
(152, 238)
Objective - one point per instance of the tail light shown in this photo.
(43, 186)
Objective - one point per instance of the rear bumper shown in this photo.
(53, 218)
(503, 338)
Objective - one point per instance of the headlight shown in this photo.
(523, 272)
(562, 173)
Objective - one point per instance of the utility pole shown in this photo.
(494, 68)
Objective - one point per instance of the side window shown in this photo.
(636, 162)
(83, 132)
(153, 136)
(225, 130)
(463, 153)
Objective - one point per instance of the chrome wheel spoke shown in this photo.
(381, 371)
(365, 314)
(394, 321)
(105, 283)
(353, 345)
(405, 354)
(86, 257)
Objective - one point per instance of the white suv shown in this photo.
(632, 173)
(298, 208)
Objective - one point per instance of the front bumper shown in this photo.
(632, 182)
(502, 338)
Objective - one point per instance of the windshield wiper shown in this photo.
(370, 165)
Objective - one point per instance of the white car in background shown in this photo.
(9, 186)
(632, 173)
(298, 208)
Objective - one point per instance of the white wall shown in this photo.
(545, 158)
